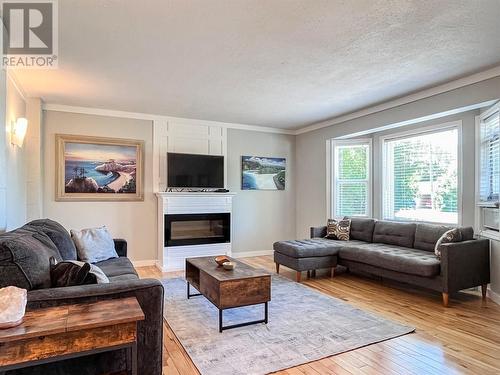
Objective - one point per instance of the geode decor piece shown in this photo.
(12, 306)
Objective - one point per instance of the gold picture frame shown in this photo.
(99, 169)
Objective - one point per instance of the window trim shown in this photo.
(414, 132)
(493, 110)
(332, 168)
(478, 206)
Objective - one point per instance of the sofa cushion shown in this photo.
(427, 235)
(24, 259)
(117, 267)
(467, 233)
(361, 228)
(127, 276)
(314, 247)
(393, 233)
(393, 257)
(58, 235)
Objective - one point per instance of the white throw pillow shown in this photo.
(94, 244)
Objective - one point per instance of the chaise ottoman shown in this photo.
(306, 255)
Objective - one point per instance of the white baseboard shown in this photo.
(144, 263)
(495, 297)
(246, 254)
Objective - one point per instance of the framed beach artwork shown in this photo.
(263, 173)
(98, 169)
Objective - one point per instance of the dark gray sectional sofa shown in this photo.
(24, 262)
(394, 250)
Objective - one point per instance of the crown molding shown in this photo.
(152, 117)
(452, 85)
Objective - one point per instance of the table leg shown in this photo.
(134, 358)
(266, 313)
(265, 320)
(129, 359)
(189, 295)
(220, 320)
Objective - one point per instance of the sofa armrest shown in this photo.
(70, 294)
(317, 232)
(149, 294)
(120, 247)
(465, 264)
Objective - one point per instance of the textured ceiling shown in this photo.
(280, 63)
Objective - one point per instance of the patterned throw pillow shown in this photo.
(453, 235)
(338, 229)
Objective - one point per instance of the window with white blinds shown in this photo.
(420, 177)
(351, 178)
(489, 154)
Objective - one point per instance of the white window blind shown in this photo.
(421, 177)
(489, 153)
(351, 178)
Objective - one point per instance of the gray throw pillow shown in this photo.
(453, 235)
(338, 230)
(94, 244)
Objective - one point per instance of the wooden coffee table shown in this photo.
(243, 286)
(56, 333)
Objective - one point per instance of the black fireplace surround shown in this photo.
(197, 229)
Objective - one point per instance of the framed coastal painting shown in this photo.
(99, 169)
(263, 173)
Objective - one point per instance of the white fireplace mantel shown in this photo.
(172, 258)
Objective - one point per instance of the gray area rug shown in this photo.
(304, 326)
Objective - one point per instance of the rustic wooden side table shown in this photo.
(57, 333)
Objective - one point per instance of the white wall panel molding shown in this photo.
(153, 117)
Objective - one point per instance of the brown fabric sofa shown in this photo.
(399, 251)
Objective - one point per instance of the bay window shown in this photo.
(420, 175)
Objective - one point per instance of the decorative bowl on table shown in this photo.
(229, 266)
(220, 260)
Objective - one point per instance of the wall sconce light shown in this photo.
(18, 131)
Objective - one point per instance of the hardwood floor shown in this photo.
(461, 339)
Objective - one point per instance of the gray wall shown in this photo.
(260, 217)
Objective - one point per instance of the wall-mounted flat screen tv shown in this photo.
(195, 171)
